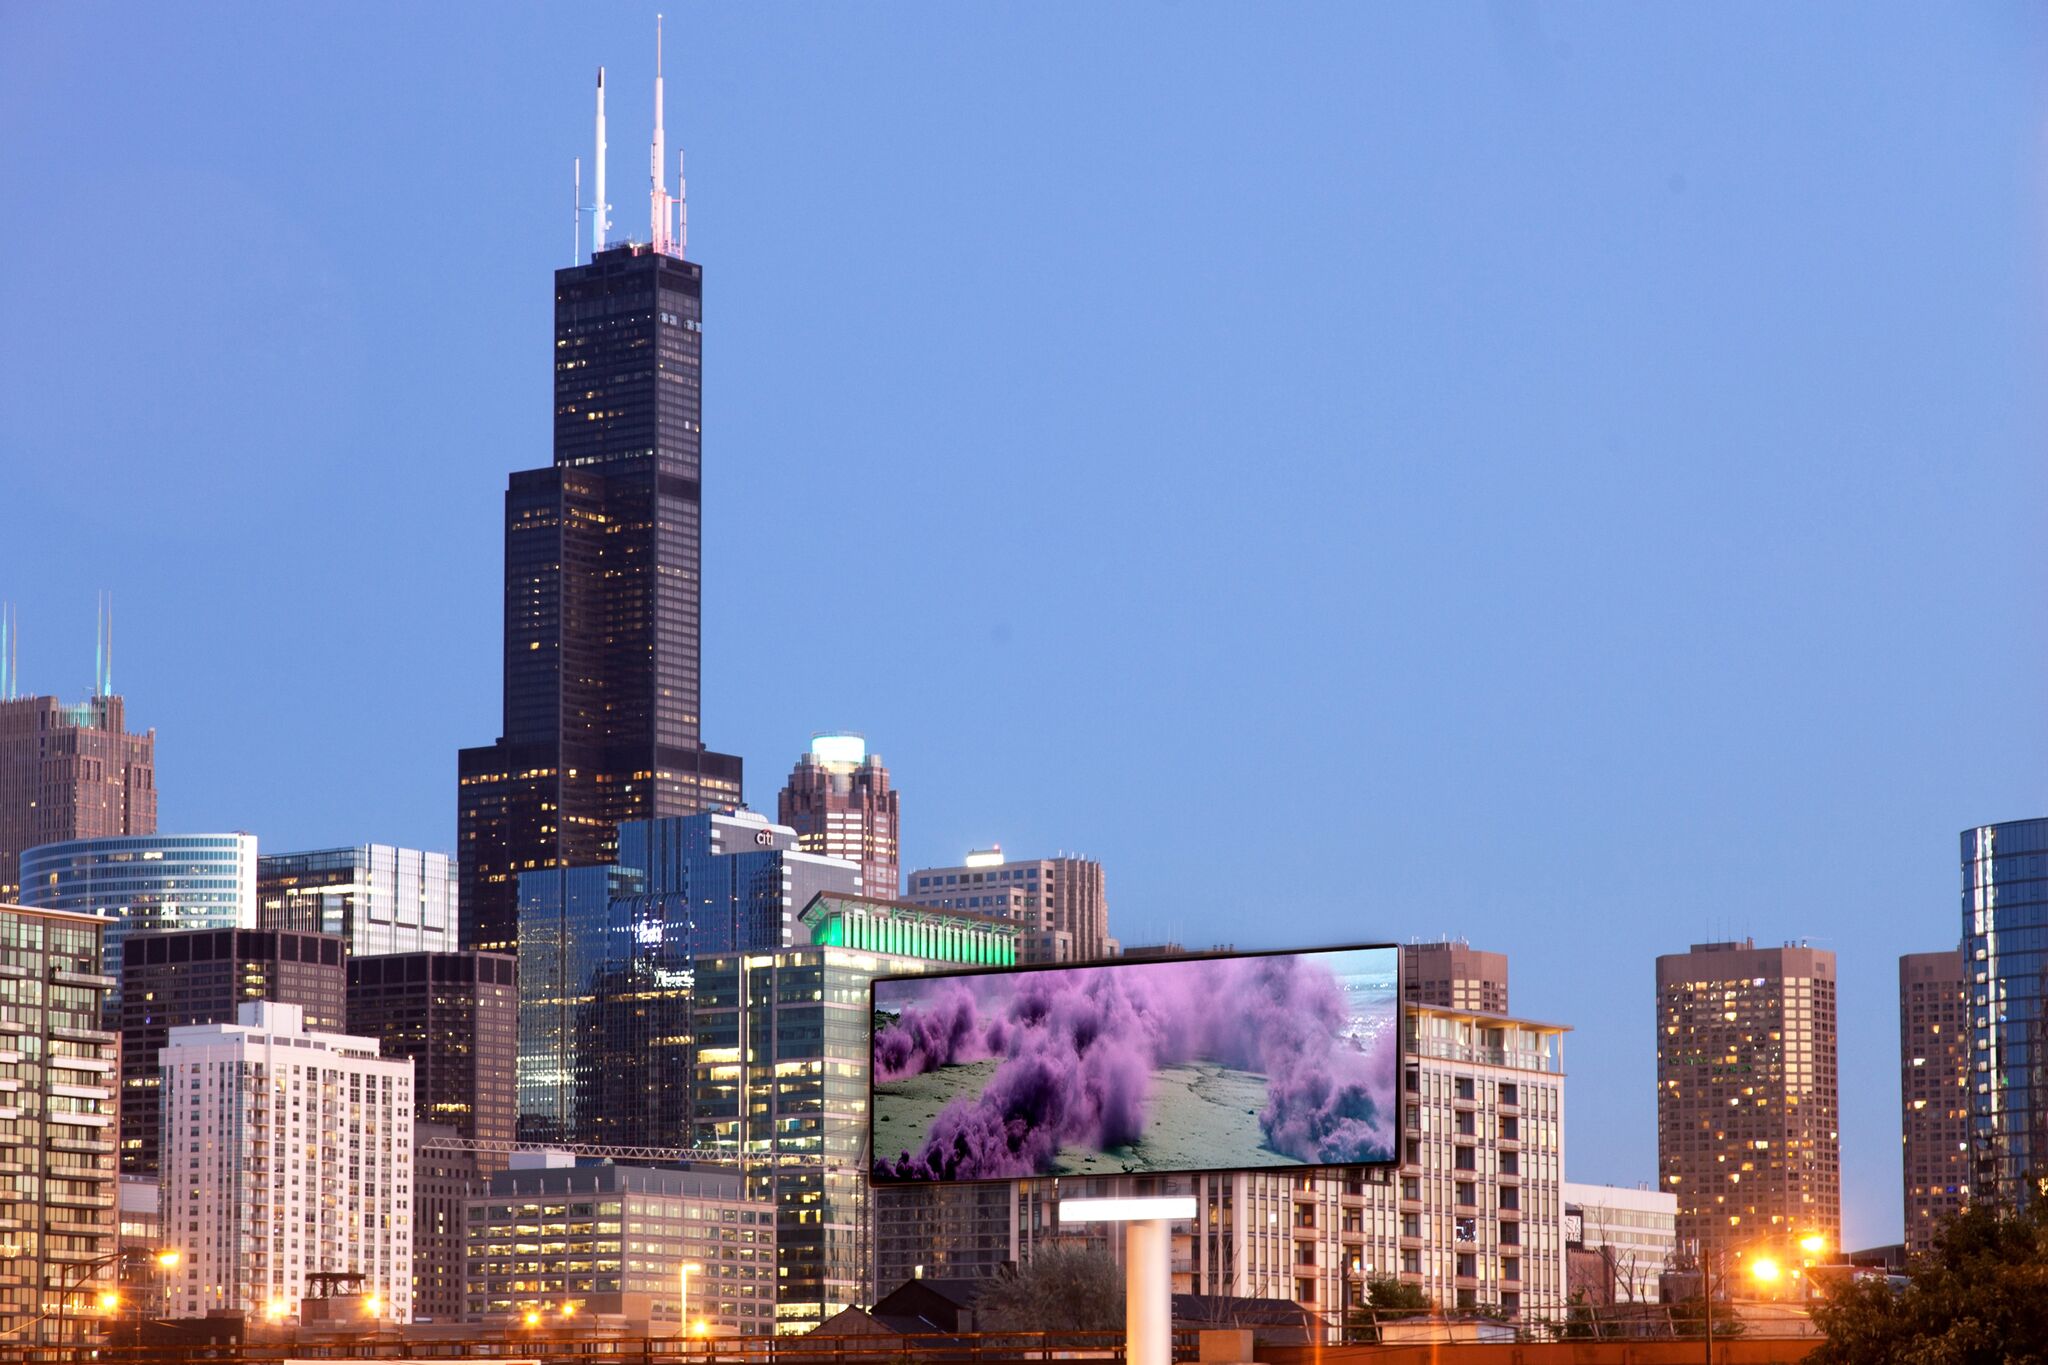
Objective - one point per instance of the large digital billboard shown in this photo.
(1225, 1062)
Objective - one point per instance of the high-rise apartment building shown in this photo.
(612, 1242)
(1747, 1110)
(2005, 951)
(455, 1016)
(603, 579)
(57, 1176)
(289, 1154)
(839, 802)
(1934, 1092)
(782, 1071)
(1473, 1216)
(1059, 904)
(205, 976)
(144, 883)
(1454, 975)
(605, 956)
(380, 898)
(70, 772)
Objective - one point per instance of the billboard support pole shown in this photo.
(1148, 1277)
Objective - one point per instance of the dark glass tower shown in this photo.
(603, 554)
(2005, 966)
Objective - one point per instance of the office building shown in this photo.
(1632, 1231)
(2005, 948)
(1934, 1092)
(205, 977)
(58, 1228)
(446, 1171)
(782, 1072)
(1473, 1216)
(613, 1242)
(455, 1016)
(145, 883)
(839, 802)
(1059, 904)
(380, 898)
(1747, 1113)
(1451, 974)
(290, 1155)
(603, 584)
(605, 955)
(70, 772)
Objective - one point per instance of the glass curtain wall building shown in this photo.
(605, 961)
(145, 883)
(782, 1072)
(380, 898)
(2005, 950)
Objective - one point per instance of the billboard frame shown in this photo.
(1392, 1161)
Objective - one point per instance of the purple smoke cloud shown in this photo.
(1079, 1049)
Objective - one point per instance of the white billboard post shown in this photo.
(1148, 1272)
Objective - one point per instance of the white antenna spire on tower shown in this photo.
(576, 213)
(107, 679)
(657, 169)
(600, 211)
(682, 208)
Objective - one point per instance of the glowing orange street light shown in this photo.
(1813, 1244)
(277, 1309)
(532, 1317)
(568, 1310)
(1764, 1270)
(373, 1305)
(109, 1301)
(168, 1259)
(700, 1328)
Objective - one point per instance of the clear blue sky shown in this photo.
(1566, 478)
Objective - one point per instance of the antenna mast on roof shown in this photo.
(600, 212)
(657, 188)
(576, 212)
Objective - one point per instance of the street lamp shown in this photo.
(683, 1304)
(108, 1299)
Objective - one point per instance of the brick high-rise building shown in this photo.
(1060, 905)
(839, 802)
(1934, 1092)
(603, 581)
(70, 772)
(456, 1016)
(1454, 975)
(1747, 1112)
(172, 980)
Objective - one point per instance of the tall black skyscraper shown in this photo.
(602, 584)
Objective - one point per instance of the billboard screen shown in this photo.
(1226, 1062)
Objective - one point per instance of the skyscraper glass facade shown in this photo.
(144, 883)
(2005, 951)
(782, 1071)
(605, 961)
(380, 898)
